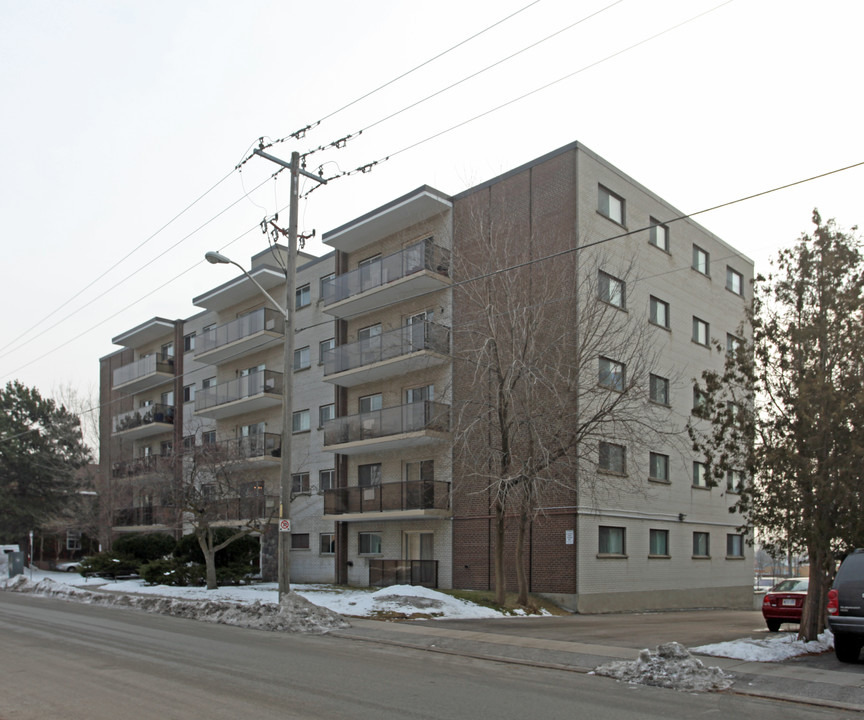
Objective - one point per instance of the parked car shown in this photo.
(71, 566)
(846, 607)
(784, 602)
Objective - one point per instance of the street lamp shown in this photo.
(284, 544)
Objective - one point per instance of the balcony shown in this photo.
(259, 450)
(399, 500)
(145, 516)
(149, 372)
(383, 573)
(250, 393)
(227, 511)
(406, 426)
(144, 422)
(250, 333)
(413, 347)
(418, 269)
(150, 464)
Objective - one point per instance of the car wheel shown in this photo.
(773, 625)
(847, 648)
(72, 569)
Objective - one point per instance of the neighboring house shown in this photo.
(377, 497)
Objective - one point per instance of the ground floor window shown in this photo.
(299, 541)
(735, 546)
(369, 543)
(327, 544)
(612, 540)
(658, 542)
(701, 544)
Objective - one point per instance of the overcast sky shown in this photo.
(117, 115)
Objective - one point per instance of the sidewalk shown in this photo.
(515, 642)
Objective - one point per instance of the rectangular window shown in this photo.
(208, 383)
(734, 281)
(610, 205)
(659, 236)
(370, 403)
(299, 541)
(300, 421)
(326, 480)
(659, 312)
(167, 352)
(701, 544)
(326, 413)
(658, 467)
(208, 437)
(188, 393)
(611, 289)
(188, 442)
(417, 471)
(369, 475)
(302, 296)
(734, 481)
(612, 541)
(613, 458)
(189, 342)
(701, 260)
(367, 333)
(700, 402)
(369, 543)
(300, 483)
(732, 343)
(735, 546)
(611, 374)
(166, 447)
(302, 358)
(658, 543)
(73, 539)
(327, 544)
(701, 332)
(324, 283)
(658, 389)
(323, 347)
(700, 474)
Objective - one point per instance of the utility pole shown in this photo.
(284, 542)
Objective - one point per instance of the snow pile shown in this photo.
(776, 648)
(296, 614)
(671, 666)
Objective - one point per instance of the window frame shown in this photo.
(604, 205)
(374, 479)
(700, 254)
(298, 358)
(302, 296)
(189, 393)
(733, 275)
(700, 325)
(605, 285)
(374, 540)
(659, 533)
(331, 344)
(653, 304)
(331, 407)
(731, 543)
(331, 484)
(603, 454)
(606, 547)
(655, 381)
(699, 535)
(189, 342)
(731, 485)
(609, 378)
(300, 483)
(700, 475)
(299, 415)
(300, 541)
(653, 458)
(652, 235)
(331, 543)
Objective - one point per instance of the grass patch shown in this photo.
(486, 598)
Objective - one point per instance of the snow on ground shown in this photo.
(777, 647)
(669, 666)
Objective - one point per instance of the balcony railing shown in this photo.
(424, 255)
(414, 417)
(388, 497)
(142, 466)
(264, 382)
(148, 415)
(240, 508)
(244, 448)
(383, 573)
(388, 346)
(261, 321)
(147, 366)
(145, 515)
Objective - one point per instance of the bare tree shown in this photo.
(551, 381)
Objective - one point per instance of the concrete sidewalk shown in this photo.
(536, 642)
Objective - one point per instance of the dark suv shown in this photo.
(846, 607)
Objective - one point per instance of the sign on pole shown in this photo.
(285, 525)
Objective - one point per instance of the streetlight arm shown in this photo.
(219, 259)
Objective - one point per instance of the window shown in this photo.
(612, 541)
(189, 342)
(370, 403)
(658, 467)
(208, 383)
(166, 447)
(369, 543)
(732, 343)
(735, 546)
(253, 429)
(734, 481)
(701, 260)
(188, 442)
(326, 480)
(659, 312)
(701, 332)
(302, 296)
(73, 539)
(610, 205)
(300, 421)
(167, 398)
(611, 289)
(734, 281)
(327, 544)
(188, 393)
(323, 347)
(368, 333)
(300, 483)
(326, 413)
(658, 389)
(700, 401)
(302, 358)
(659, 236)
(700, 474)
(208, 437)
(417, 471)
(658, 543)
(299, 541)
(167, 352)
(613, 458)
(369, 475)
(611, 374)
(325, 284)
(701, 544)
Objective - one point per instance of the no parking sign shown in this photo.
(285, 525)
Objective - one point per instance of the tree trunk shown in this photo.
(521, 576)
(206, 543)
(821, 575)
(500, 582)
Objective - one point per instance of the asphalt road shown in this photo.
(66, 660)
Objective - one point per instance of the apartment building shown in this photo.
(383, 490)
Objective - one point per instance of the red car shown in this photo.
(784, 602)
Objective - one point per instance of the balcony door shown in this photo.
(418, 552)
(418, 407)
(370, 272)
(415, 330)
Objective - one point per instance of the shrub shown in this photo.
(244, 550)
(173, 571)
(146, 547)
(109, 562)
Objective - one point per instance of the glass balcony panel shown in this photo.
(263, 382)
(142, 368)
(420, 495)
(414, 417)
(264, 319)
(387, 346)
(148, 415)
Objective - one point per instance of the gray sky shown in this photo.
(118, 115)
